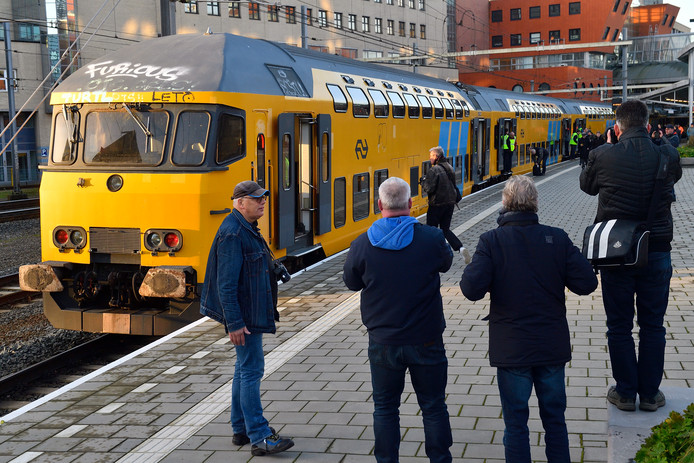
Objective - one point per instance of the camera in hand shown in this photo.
(281, 272)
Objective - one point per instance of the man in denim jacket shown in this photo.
(240, 292)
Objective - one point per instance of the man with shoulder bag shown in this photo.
(634, 180)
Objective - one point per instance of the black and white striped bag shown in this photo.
(616, 243)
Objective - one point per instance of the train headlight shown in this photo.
(171, 240)
(114, 183)
(61, 236)
(66, 237)
(163, 240)
(154, 240)
(77, 238)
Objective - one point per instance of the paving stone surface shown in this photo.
(171, 403)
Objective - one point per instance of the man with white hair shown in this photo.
(396, 265)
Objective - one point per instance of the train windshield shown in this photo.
(127, 136)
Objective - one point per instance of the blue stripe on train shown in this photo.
(453, 138)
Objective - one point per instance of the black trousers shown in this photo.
(440, 216)
(507, 154)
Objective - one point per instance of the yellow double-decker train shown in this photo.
(149, 141)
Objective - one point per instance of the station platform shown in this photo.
(169, 401)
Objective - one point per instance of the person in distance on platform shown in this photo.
(540, 155)
(439, 184)
(672, 136)
(240, 291)
(690, 134)
(623, 177)
(525, 267)
(396, 265)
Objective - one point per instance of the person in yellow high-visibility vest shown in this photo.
(506, 153)
(573, 142)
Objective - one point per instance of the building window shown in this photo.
(191, 7)
(291, 14)
(337, 20)
(234, 9)
(616, 6)
(254, 11)
(391, 27)
(615, 36)
(606, 33)
(672, 20)
(665, 19)
(535, 37)
(320, 48)
(554, 36)
(389, 2)
(401, 3)
(347, 52)
(421, 5)
(322, 18)
(625, 8)
(401, 28)
(372, 54)
(213, 8)
(413, 30)
(410, 3)
(534, 12)
(575, 8)
(555, 10)
(516, 39)
(517, 88)
(497, 41)
(28, 32)
(365, 24)
(273, 13)
(378, 25)
(574, 34)
(497, 16)
(352, 25)
(422, 31)
(544, 87)
(515, 14)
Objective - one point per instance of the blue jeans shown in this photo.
(428, 367)
(651, 287)
(246, 409)
(515, 386)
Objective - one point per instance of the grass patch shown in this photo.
(30, 192)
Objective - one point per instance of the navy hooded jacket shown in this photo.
(396, 264)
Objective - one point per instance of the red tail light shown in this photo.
(61, 236)
(171, 240)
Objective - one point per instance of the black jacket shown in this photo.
(525, 267)
(438, 184)
(400, 289)
(623, 175)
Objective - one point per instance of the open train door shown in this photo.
(286, 180)
(565, 137)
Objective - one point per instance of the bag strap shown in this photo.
(658, 188)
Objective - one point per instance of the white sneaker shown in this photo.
(466, 255)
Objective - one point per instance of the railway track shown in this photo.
(10, 293)
(19, 209)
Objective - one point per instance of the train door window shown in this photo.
(414, 181)
(231, 144)
(412, 106)
(449, 108)
(286, 161)
(458, 109)
(360, 196)
(426, 106)
(340, 204)
(380, 176)
(526, 153)
(65, 136)
(458, 169)
(438, 107)
(426, 165)
(325, 157)
(398, 105)
(360, 104)
(339, 98)
(191, 138)
(260, 156)
(380, 103)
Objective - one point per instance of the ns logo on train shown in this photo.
(361, 149)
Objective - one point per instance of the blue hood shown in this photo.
(393, 233)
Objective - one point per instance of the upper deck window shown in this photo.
(449, 108)
(458, 109)
(412, 105)
(360, 104)
(191, 138)
(380, 103)
(438, 107)
(398, 104)
(426, 106)
(65, 135)
(231, 143)
(122, 137)
(339, 98)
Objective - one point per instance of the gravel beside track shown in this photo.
(26, 337)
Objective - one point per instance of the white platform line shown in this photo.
(26, 457)
(170, 437)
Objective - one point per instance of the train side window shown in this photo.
(449, 108)
(340, 204)
(286, 161)
(360, 104)
(412, 106)
(380, 176)
(260, 156)
(438, 107)
(231, 143)
(325, 157)
(398, 105)
(458, 109)
(191, 138)
(458, 169)
(414, 181)
(426, 106)
(63, 150)
(380, 103)
(466, 107)
(360, 196)
(339, 98)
